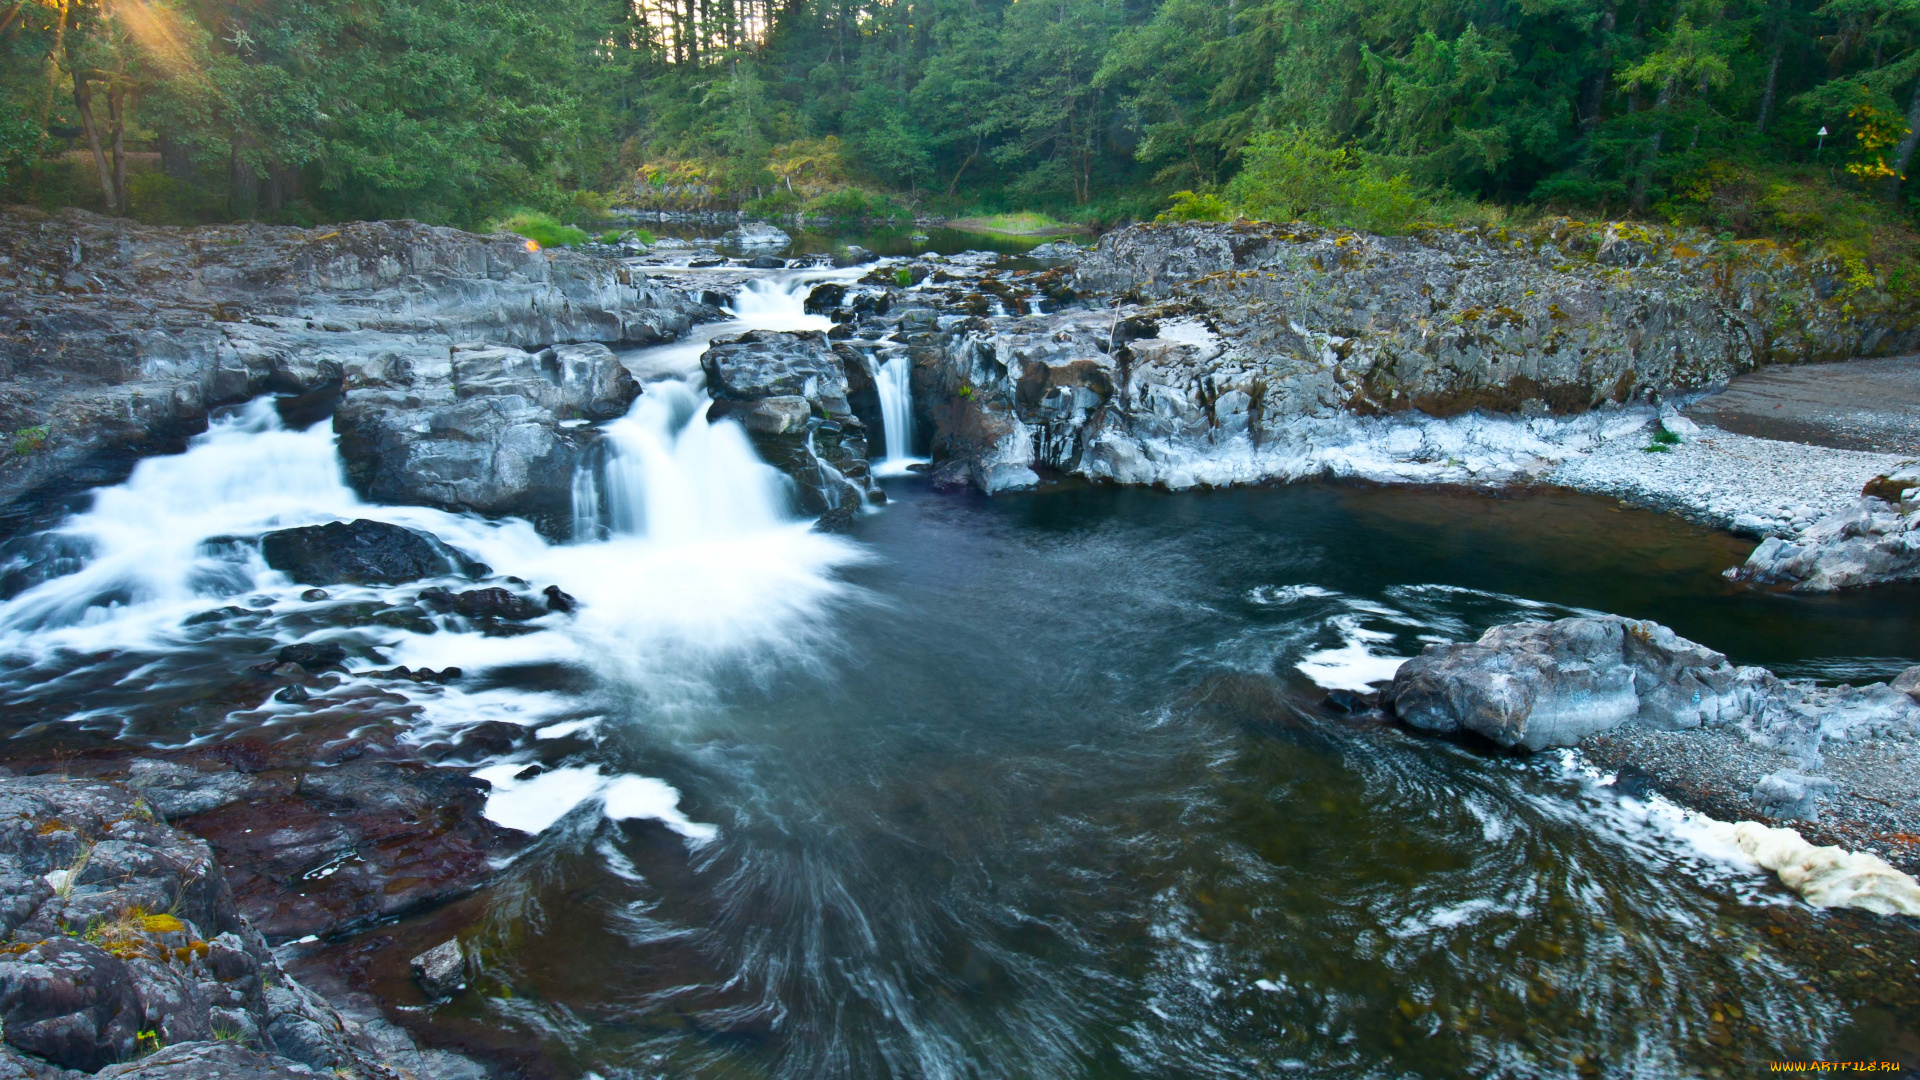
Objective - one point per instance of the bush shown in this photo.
(542, 229)
(778, 203)
(1303, 175)
(1188, 206)
(159, 199)
(850, 203)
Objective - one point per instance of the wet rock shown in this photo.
(349, 845)
(442, 969)
(176, 790)
(69, 1002)
(313, 655)
(1057, 251)
(559, 600)
(291, 695)
(419, 675)
(1347, 701)
(496, 603)
(210, 1060)
(360, 552)
(313, 596)
(825, 297)
(755, 236)
(764, 262)
(851, 255)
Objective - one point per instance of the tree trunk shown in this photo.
(1903, 153)
(116, 117)
(963, 167)
(1645, 179)
(1773, 78)
(83, 103)
(1593, 93)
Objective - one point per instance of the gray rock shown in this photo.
(175, 790)
(69, 1002)
(852, 255)
(1538, 685)
(209, 1060)
(1869, 543)
(442, 969)
(755, 236)
(1790, 795)
(1057, 251)
(790, 391)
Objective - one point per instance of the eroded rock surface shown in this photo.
(790, 391)
(127, 956)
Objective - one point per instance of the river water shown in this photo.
(1032, 786)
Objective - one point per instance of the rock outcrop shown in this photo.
(124, 337)
(1242, 352)
(126, 956)
(359, 552)
(790, 391)
(1539, 685)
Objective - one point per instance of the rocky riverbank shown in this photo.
(126, 955)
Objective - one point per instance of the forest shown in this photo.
(1372, 113)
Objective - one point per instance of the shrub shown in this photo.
(852, 203)
(1188, 206)
(542, 229)
(1303, 175)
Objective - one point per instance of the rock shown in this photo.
(851, 255)
(209, 1060)
(496, 603)
(1057, 250)
(755, 236)
(70, 1002)
(1868, 543)
(764, 262)
(825, 297)
(442, 969)
(314, 596)
(1893, 485)
(176, 790)
(1539, 685)
(772, 363)
(360, 552)
(1908, 682)
(1787, 794)
(558, 600)
(1347, 701)
(291, 695)
(313, 655)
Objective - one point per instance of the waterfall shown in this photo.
(668, 475)
(779, 303)
(896, 416)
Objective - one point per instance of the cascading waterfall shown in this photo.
(896, 415)
(669, 475)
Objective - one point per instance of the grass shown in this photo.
(543, 229)
(1020, 224)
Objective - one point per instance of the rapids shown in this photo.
(1036, 786)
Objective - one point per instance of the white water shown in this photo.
(896, 416)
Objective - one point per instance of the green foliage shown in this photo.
(853, 204)
(903, 277)
(1188, 206)
(542, 229)
(1024, 223)
(1299, 174)
(29, 441)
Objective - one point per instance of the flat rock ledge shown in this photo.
(124, 955)
(1839, 763)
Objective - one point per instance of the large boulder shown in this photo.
(70, 1002)
(1538, 685)
(790, 391)
(359, 552)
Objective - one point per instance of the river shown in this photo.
(1032, 786)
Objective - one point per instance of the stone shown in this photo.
(764, 262)
(496, 603)
(210, 1060)
(559, 600)
(1868, 543)
(1057, 250)
(755, 236)
(851, 255)
(1787, 794)
(359, 552)
(441, 970)
(175, 790)
(314, 596)
(313, 655)
(70, 1002)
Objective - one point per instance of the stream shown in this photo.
(1032, 786)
